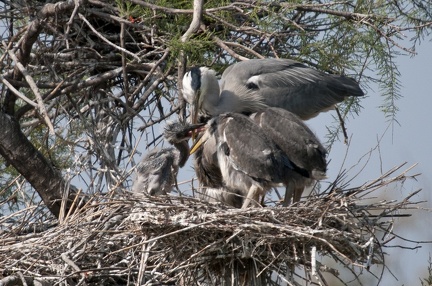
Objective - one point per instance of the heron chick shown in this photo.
(299, 143)
(253, 85)
(244, 157)
(157, 172)
(207, 170)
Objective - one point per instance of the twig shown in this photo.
(17, 92)
(35, 90)
(228, 49)
(106, 40)
(257, 55)
(342, 123)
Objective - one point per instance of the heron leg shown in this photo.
(293, 193)
(298, 193)
(289, 192)
(252, 196)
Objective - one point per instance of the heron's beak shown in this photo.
(194, 129)
(196, 145)
(195, 113)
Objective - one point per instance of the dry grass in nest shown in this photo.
(183, 241)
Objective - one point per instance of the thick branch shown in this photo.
(18, 151)
(29, 38)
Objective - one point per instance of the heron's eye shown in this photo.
(251, 85)
(225, 148)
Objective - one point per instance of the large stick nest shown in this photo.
(181, 240)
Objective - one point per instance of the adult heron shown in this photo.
(252, 85)
(245, 158)
(157, 171)
(299, 143)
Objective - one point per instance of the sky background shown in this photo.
(409, 140)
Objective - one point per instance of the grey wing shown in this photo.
(248, 149)
(290, 85)
(242, 72)
(294, 137)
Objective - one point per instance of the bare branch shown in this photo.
(35, 90)
(17, 92)
(229, 50)
(106, 40)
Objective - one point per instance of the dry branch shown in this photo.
(32, 84)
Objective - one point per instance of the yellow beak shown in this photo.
(196, 145)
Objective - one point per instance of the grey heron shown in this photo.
(252, 85)
(299, 143)
(207, 169)
(157, 171)
(236, 155)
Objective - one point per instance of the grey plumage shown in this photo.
(157, 171)
(209, 175)
(299, 143)
(253, 85)
(212, 187)
(245, 158)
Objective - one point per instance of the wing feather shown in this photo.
(249, 150)
(294, 138)
(287, 84)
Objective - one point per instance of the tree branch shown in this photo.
(35, 90)
(106, 40)
(29, 38)
(18, 151)
(228, 49)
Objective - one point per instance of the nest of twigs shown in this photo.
(183, 241)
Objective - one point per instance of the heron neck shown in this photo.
(210, 94)
(239, 101)
(183, 148)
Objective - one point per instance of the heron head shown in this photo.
(176, 132)
(192, 90)
(201, 91)
(191, 84)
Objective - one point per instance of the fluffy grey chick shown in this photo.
(157, 172)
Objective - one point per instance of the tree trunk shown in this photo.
(18, 151)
